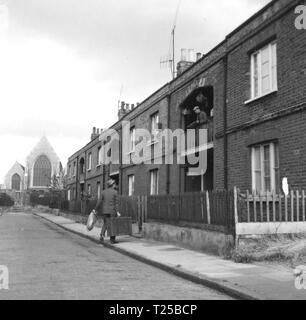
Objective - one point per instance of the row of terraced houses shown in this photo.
(251, 91)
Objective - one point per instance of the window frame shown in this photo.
(74, 169)
(154, 191)
(131, 179)
(273, 87)
(274, 168)
(89, 162)
(100, 156)
(132, 140)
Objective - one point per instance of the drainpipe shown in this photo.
(225, 63)
(77, 178)
(120, 161)
(168, 127)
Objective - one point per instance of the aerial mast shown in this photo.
(170, 59)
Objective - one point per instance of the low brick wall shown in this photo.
(212, 242)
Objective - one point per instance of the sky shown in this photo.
(64, 64)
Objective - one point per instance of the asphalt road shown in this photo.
(47, 262)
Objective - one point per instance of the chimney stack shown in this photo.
(122, 111)
(187, 60)
(93, 134)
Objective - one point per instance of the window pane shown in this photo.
(265, 55)
(267, 186)
(257, 165)
(258, 181)
(265, 84)
(255, 75)
(131, 185)
(154, 123)
(154, 182)
(274, 66)
(276, 168)
(132, 139)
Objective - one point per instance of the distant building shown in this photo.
(15, 178)
(42, 165)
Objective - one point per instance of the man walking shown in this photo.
(108, 207)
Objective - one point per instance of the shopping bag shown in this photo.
(91, 221)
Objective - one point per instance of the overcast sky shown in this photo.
(63, 62)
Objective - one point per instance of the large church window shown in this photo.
(42, 172)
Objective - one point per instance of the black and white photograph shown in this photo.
(153, 153)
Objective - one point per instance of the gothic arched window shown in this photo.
(42, 172)
(16, 182)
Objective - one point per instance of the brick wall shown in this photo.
(288, 130)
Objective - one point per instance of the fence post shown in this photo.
(268, 207)
(286, 208)
(208, 207)
(292, 206)
(254, 206)
(248, 205)
(303, 204)
(274, 208)
(261, 206)
(139, 213)
(297, 205)
(236, 214)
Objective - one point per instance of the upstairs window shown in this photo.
(264, 71)
(74, 169)
(132, 139)
(100, 156)
(265, 168)
(155, 124)
(89, 164)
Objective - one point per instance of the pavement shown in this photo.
(242, 281)
(47, 262)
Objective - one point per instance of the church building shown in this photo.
(42, 164)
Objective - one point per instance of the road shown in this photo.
(47, 262)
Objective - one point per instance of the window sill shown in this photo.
(263, 96)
